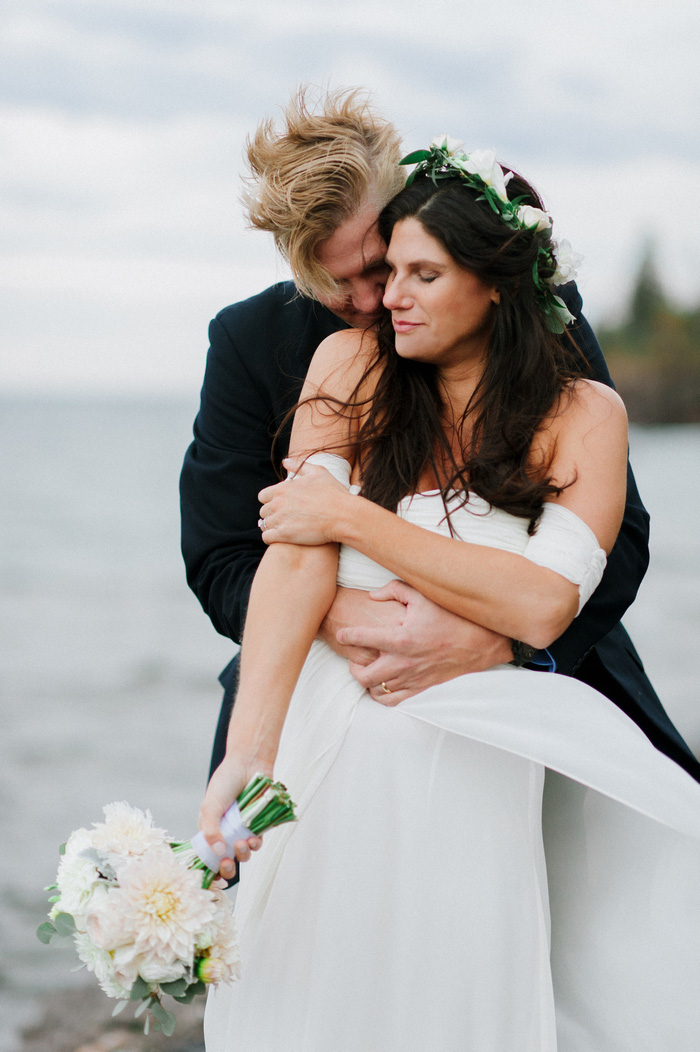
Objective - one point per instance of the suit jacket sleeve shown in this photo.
(224, 469)
(258, 356)
(629, 558)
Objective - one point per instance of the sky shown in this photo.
(122, 124)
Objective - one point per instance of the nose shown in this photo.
(394, 296)
(366, 296)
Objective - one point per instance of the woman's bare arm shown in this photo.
(500, 590)
(292, 591)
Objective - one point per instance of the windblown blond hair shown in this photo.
(332, 156)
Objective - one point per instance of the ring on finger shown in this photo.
(261, 524)
(387, 690)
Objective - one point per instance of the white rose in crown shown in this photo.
(484, 164)
(533, 218)
(567, 262)
(446, 142)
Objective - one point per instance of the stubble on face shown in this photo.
(354, 257)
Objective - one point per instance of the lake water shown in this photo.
(108, 666)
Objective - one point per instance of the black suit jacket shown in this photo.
(259, 352)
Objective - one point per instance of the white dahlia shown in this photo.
(126, 833)
(161, 907)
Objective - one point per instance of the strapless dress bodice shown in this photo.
(476, 521)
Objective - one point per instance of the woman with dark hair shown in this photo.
(458, 449)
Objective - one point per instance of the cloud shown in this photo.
(123, 127)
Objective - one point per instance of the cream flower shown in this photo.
(567, 262)
(534, 218)
(152, 971)
(160, 907)
(77, 880)
(100, 963)
(446, 142)
(223, 961)
(484, 164)
(104, 922)
(125, 833)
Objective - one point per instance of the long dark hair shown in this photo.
(527, 368)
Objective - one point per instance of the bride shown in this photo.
(421, 902)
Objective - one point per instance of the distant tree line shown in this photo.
(654, 354)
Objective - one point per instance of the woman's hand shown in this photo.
(304, 510)
(226, 785)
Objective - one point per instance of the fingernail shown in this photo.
(219, 848)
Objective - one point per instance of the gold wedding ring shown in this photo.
(387, 690)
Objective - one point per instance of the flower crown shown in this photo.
(556, 263)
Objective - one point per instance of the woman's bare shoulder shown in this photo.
(587, 404)
(596, 399)
(342, 359)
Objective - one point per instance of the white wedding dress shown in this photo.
(422, 904)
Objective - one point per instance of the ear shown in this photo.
(496, 296)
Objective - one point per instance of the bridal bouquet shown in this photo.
(143, 911)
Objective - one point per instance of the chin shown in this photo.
(359, 321)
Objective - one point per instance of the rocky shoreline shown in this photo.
(80, 1020)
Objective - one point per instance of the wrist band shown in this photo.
(522, 653)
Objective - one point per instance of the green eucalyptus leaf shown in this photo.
(176, 988)
(142, 1007)
(62, 849)
(185, 999)
(139, 990)
(164, 1018)
(64, 924)
(121, 1005)
(45, 932)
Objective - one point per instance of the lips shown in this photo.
(404, 326)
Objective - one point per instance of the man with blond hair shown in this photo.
(318, 185)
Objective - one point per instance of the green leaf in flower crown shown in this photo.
(45, 932)
(165, 1018)
(415, 157)
(62, 849)
(139, 990)
(64, 924)
(176, 988)
(554, 324)
(120, 1006)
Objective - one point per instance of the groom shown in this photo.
(318, 186)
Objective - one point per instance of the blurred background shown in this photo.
(122, 124)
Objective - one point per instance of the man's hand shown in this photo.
(400, 643)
